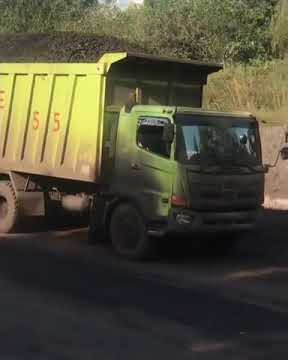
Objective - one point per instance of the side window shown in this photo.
(150, 136)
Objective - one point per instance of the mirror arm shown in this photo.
(275, 162)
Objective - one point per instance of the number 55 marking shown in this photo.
(2, 99)
(56, 121)
(36, 120)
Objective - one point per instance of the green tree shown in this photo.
(223, 30)
(157, 3)
(38, 15)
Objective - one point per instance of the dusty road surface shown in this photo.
(64, 299)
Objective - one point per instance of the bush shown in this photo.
(260, 89)
(279, 29)
(37, 15)
(219, 30)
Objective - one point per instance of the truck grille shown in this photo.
(221, 199)
(225, 192)
(228, 195)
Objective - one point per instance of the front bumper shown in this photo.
(186, 221)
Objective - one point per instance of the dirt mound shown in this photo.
(58, 47)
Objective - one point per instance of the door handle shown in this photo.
(135, 166)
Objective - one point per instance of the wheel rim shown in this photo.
(3, 208)
(127, 232)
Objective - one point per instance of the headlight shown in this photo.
(184, 219)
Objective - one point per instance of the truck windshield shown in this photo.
(217, 140)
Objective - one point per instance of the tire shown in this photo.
(128, 233)
(96, 237)
(9, 208)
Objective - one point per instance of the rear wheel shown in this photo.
(128, 233)
(9, 207)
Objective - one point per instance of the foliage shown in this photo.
(261, 89)
(279, 29)
(219, 30)
(234, 30)
(39, 15)
(157, 3)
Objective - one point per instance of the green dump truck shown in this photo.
(126, 137)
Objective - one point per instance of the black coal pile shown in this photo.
(58, 47)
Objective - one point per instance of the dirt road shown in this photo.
(63, 299)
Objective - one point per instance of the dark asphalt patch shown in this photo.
(85, 283)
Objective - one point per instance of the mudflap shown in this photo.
(31, 203)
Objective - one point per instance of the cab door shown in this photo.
(152, 166)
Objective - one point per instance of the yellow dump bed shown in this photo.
(51, 119)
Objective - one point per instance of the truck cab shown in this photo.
(180, 170)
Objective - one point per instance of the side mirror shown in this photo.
(168, 133)
(284, 152)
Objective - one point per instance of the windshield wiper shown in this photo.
(213, 165)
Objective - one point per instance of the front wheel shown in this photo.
(128, 233)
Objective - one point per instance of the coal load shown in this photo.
(59, 47)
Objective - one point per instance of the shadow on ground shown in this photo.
(84, 281)
(87, 278)
(267, 242)
(61, 221)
